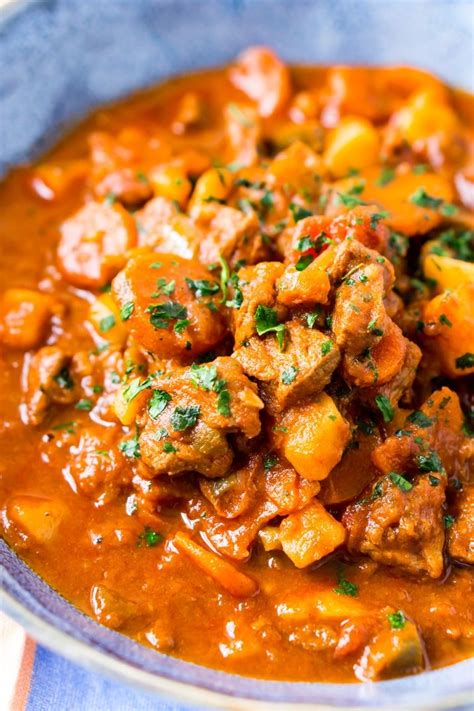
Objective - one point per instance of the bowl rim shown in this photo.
(22, 590)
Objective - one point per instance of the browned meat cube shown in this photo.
(461, 533)
(302, 369)
(400, 524)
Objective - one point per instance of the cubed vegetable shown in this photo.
(316, 437)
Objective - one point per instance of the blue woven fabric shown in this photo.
(59, 684)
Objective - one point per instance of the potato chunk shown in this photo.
(354, 143)
(448, 273)
(449, 320)
(94, 242)
(36, 517)
(316, 437)
(24, 318)
(391, 653)
(308, 535)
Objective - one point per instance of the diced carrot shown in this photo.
(232, 580)
(52, 180)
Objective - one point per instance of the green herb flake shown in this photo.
(266, 321)
(385, 407)
(448, 520)
(400, 481)
(465, 361)
(304, 261)
(162, 314)
(63, 379)
(289, 375)
(185, 417)
(299, 212)
(269, 461)
(386, 176)
(202, 287)
(157, 403)
(445, 320)
(397, 620)
(419, 419)
(149, 538)
(326, 347)
(169, 448)
(84, 405)
(223, 403)
(429, 462)
(130, 447)
(127, 310)
(421, 198)
(107, 323)
(344, 586)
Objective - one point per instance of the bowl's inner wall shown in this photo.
(61, 57)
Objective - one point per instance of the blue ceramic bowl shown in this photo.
(59, 58)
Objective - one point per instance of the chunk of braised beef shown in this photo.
(199, 407)
(400, 524)
(302, 369)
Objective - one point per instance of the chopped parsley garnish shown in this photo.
(266, 321)
(157, 403)
(433, 480)
(421, 198)
(304, 261)
(181, 325)
(465, 361)
(385, 407)
(372, 328)
(135, 387)
(397, 620)
(305, 243)
(386, 176)
(130, 447)
(299, 212)
(349, 200)
(203, 376)
(312, 317)
(149, 538)
(429, 462)
(400, 481)
(223, 403)
(326, 347)
(202, 287)
(107, 323)
(445, 320)
(84, 405)
(185, 417)
(448, 520)
(127, 310)
(169, 448)
(288, 375)
(164, 287)
(344, 586)
(162, 314)
(269, 461)
(63, 379)
(376, 217)
(419, 419)
(66, 426)
(448, 209)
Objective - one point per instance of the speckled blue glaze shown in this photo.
(58, 59)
